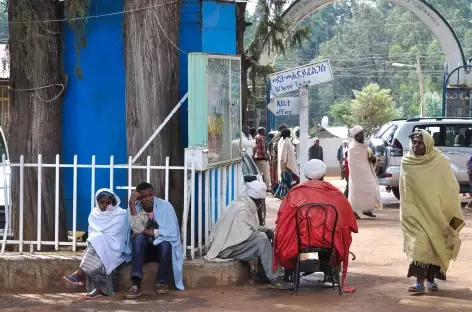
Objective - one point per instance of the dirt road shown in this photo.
(379, 274)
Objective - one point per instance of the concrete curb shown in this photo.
(40, 273)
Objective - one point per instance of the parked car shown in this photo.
(453, 136)
(251, 173)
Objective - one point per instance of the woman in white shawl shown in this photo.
(287, 164)
(104, 244)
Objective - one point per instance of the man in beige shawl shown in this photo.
(238, 235)
(430, 212)
(364, 192)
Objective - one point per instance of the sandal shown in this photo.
(417, 288)
(71, 278)
(96, 293)
(432, 286)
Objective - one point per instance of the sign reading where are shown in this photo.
(303, 76)
(285, 106)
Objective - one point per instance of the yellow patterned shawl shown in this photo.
(430, 207)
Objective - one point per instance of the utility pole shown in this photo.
(423, 111)
(417, 66)
(304, 127)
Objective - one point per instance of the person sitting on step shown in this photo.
(156, 236)
(106, 235)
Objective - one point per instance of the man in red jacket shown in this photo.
(315, 190)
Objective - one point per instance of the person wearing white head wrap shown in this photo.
(315, 169)
(106, 236)
(256, 189)
(356, 130)
(237, 235)
(364, 193)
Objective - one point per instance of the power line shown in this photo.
(86, 18)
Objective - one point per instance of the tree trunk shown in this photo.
(240, 28)
(36, 114)
(152, 91)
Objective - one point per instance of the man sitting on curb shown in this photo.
(238, 235)
(156, 236)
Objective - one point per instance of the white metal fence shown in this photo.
(92, 168)
(205, 195)
(212, 190)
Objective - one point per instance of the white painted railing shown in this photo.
(92, 167)
(205, 195)
(213, 190)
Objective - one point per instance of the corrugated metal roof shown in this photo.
(4, 62)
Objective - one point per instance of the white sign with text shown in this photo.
(284, 106)
(303, 76)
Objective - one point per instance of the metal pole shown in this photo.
(423, 111)
(303, 131)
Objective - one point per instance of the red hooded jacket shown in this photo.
(285, 241)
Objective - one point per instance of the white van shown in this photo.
(453, 136)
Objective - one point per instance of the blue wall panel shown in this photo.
(190, 40)
(94, 112)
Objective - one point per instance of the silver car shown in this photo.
(453, 136)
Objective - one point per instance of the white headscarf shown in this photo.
(256, 189)
(315, 169)
(356, 130)
(115, 203)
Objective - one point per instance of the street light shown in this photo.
(417, 66)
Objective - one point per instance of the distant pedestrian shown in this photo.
(469, 172)
(247, 141)
(253, 132)
(287, 166)
(341, 152)
(430, 212)
(364, 192)
(260, 156)
(316, 150)
(274, 157)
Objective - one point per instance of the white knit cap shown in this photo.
(256, 189)
(315, 169)
(356, 130)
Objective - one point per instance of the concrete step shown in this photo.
(43, 272)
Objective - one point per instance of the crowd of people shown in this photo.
(149, 229)
(429, 243)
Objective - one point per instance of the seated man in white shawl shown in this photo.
(364, 193)
(103, 255)
(238, 235)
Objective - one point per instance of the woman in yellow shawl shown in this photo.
(430, 212)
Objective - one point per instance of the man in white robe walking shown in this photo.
(364, 193)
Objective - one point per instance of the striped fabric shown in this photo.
(96, 276)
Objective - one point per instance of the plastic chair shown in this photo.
(303, 218)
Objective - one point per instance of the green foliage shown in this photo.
(372, 107)
(433, 103)
(341, 113)
(362, 40)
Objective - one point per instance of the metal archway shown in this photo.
(457, 93)
(425, 12)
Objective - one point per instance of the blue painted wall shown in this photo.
(94, 120)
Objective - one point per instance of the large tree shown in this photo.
(37, 84)
(152, 89)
